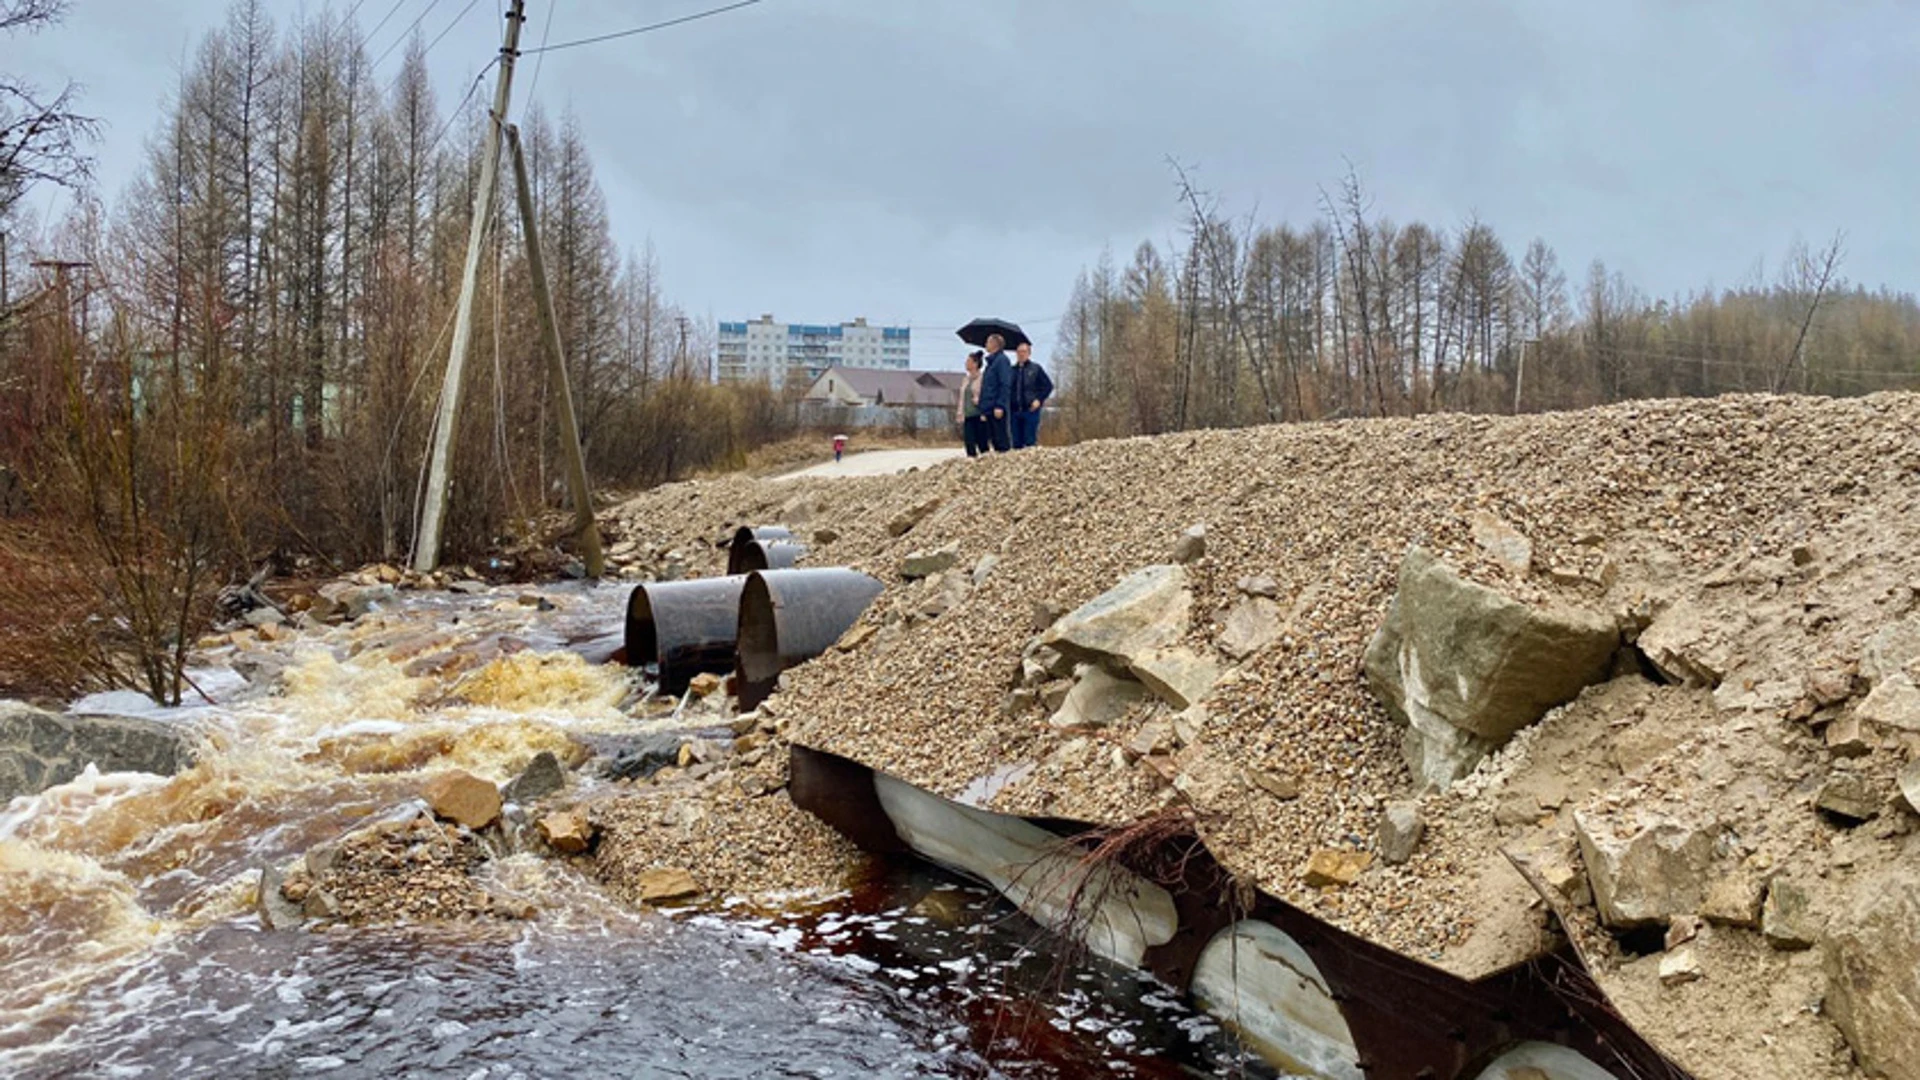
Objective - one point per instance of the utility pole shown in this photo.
(1520, 373)
(557, 367)
(426, 545)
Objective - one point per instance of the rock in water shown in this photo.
(1464, 667)
(463, 798)
(543, 776)
(1148, 609)
(663, 884)
(567, 832)
(277, 912)
(39, 749)
(1872, 960)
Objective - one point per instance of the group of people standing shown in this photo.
(1000, 401)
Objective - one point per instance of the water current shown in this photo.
(129, 946)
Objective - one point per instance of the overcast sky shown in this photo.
(925, 161)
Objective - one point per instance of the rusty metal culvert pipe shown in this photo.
(685, 627)
(744, 537)
(764, 555)
(788, 617)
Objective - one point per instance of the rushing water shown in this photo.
(129, 948)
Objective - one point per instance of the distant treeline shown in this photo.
(1354, 314)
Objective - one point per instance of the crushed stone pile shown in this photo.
(1760, 553)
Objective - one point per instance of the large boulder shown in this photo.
(1465, 666)
(1148, 609)
(39, 749)
(1872, 959)
(1644, 867)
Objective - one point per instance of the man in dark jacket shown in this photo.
(996, 385)
(1028, 389)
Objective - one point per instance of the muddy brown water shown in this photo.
(129, 947)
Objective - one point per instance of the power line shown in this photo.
(545, 29)
(450, 26)
(455, 114)
(649, 28)
(404, 34)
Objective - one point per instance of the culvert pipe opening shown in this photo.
(745, 537)
(684, 628)
(788, 617)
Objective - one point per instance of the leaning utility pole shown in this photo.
(557, 367)
(426, 545)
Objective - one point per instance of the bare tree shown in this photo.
(42, 139)
(1808, 273)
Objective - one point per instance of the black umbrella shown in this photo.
(975, 333)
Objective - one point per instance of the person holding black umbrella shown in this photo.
(1029, 390)
(996, 401)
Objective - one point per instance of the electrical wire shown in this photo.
(405, 34)
(455, 114)
(450, 26)
(539, 59)
(649, 28)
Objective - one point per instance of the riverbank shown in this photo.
(1766, 544)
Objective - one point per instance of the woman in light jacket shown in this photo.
(973, 425)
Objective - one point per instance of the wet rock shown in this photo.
(1503, 543)
(1401, 829)
(263, 617)
(1787, 920)
(543, 776)
(1252, 625)
(1644, 867)
(355, 600)
(634, 757)
(464, 798)
(1893, 705)
(277, 912)
(1679, 966)
(1148, 609)
(39, 749)
(1178, 676)
(1191, 544)
(907, 519)
(925, 564)
(259, 668)
(320, 904)
(1686, 647)
(568, 832)
(1464, 666)
(1848, 798)
(468, 587)
(1872, 960)
(664, 884)
(705, 684)
(1334, 868)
